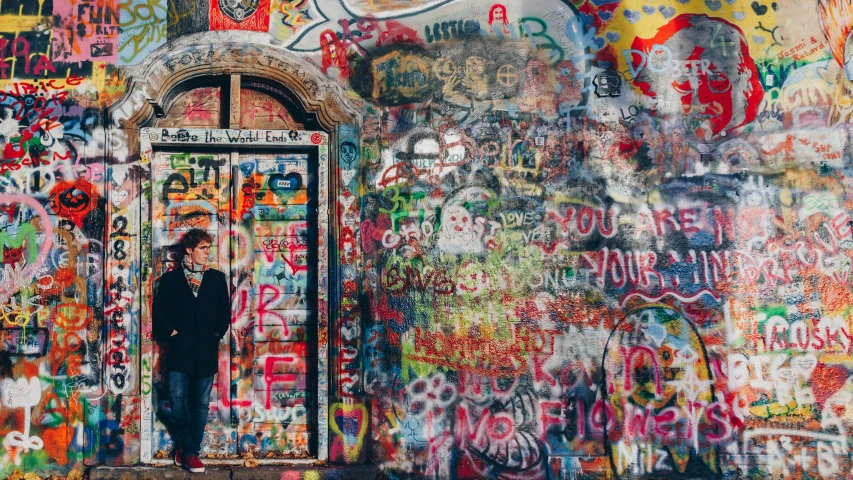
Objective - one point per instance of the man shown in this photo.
(699, 68)
(192, 312)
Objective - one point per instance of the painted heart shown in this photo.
(758, 8)
(346, 177)
(599, 42)
(682, 1)
(119, 175)
(349, 423)
(18, 275)
(20, 393)
(58, 441)
(667, 12)
(648, 9)
(714, 5)
(612, 36)
(758, 39)
(731, 2)
(633, 16)
(117, 197)
(804, 365)
(786, 375)
(826, 380)
(605, 15)
(346, 201)
(739, 15)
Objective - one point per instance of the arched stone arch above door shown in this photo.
(153, 83)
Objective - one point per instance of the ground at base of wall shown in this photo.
(361, 472)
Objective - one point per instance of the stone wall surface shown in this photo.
(567, 239)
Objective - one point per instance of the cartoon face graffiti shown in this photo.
(458, 220)
(497, 18)
(703, 65)
(458, 233)
(349, 152)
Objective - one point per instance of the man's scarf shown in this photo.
(194, 273)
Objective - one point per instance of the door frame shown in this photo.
(152, 138)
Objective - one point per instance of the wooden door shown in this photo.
(191, 190)
(275, 373)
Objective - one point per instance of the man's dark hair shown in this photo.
(192, 238)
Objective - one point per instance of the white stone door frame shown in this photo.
(153, 138)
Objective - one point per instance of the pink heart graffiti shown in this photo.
(11, 278)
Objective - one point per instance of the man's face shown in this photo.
(713, 81)
(200, 254)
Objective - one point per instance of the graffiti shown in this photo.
(142, 28)
(20, 48)
(553, 240)
(74, 200)
(349, 425)
(21, 394)
(16, 273)
(121, 284)
(240, 15)
(86, 30)
(690, 74)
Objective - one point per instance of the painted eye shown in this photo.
(452, 219)
(464, 219)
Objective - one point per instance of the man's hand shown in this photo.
(174, 332)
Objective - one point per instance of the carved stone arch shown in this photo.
(152, 84)
(151, 88)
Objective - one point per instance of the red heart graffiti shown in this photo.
(826, 380)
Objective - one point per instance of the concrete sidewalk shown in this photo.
(228, 472)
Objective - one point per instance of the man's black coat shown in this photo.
(200, 321)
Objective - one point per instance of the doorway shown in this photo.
(259, 193)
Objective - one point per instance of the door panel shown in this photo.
(191, 190)
(278, 204)
(266, 241)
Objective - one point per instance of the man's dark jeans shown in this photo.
(189, 398)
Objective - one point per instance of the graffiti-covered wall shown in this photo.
(566, 238)
(606, 238)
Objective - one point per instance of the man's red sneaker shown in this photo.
(179, 457)
(193, 464)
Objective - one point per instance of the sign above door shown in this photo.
(255, 138)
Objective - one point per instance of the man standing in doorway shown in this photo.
(192, 311)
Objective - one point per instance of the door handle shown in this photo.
(234, 172)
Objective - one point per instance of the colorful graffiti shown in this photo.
(55, 396)
(558, 239)
(625, 262)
